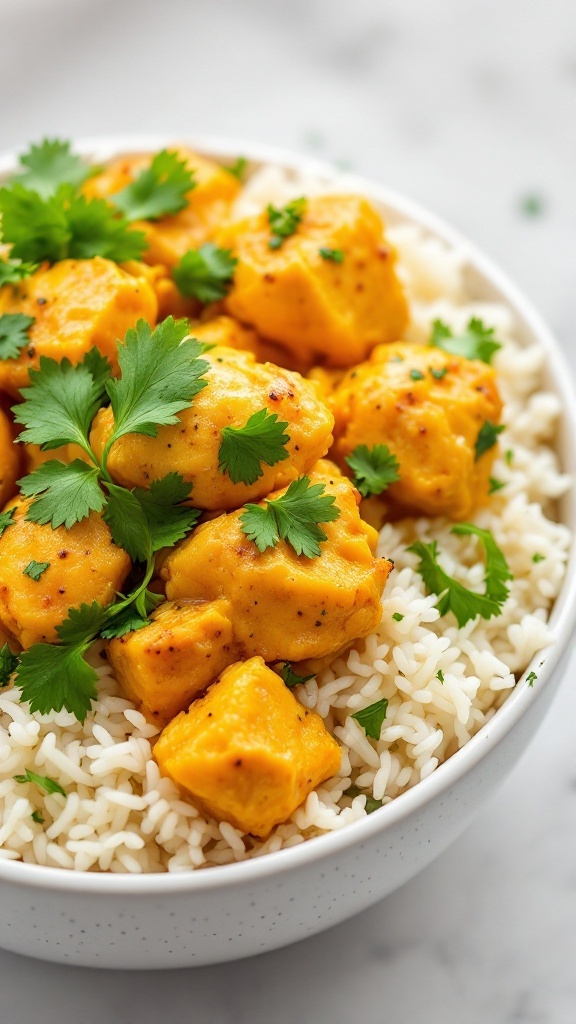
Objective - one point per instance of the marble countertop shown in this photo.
(468, 106)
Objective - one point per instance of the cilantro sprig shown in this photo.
(14, 271)
(245, 449)
(290, 677)
(374, 469)
(294, 517)
(14, 328)
(284, 221)
(454, 596)
(476, 341)
(372, 718)
(42, 781)
(205, 273)
(158, 190)
(487, 438)
(48, 165)
(8, 664)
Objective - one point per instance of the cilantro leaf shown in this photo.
(244, 449)
(463, 603)
(7, 519)
(495, 485)
(374, 468)
(67, 493)
(372, 717)
(42, 781)
(292, 678)
(440, 676)
(372, 804)
(82, 624)
(95, 230)
(53, 677)
(37, 817)
(61, 401)
(531, 678)
(12, 272)
(205, 273)
(238, 168)
(397, 616)
(487, 438)
(49, 165)
(475, 342)
(158, 190)
(128, 620)
(284, 221)
(160, 376)
(438, 372)
(332, 255)
(294, 517)
(14, 336)
(127, 522)
(35, 569)
(537, 557)
(168, 521)
(8, 664)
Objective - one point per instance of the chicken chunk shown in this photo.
(84, 565)
(428, 407)
(76, 304)
(170, 237)
(10, 459)
(320, 310)
(163, 666)
(285, 606)
(238, 386)
(224, 330)
(248, 752)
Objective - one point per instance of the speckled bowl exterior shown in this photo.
(224, 913)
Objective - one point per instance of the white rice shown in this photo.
(120, 815)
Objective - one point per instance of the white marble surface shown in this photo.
(469, 106)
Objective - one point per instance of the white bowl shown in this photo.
(237, 910)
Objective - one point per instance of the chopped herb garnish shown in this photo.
(531, 678)
(292, 678)
(42, 781)
(158, 190)
(332, 255)
(352, 791)
(47, 166)
(440, 675)
(14, 335)
(397, 616)
(35, 569)
(372, 804)
(238, 168)
(475, 342)
(245, 449)
(532, 205)
(537, 557)
(495, 485)
(374, 468)
(14, 271)
(37, 817)
(487, 438)
(508, 456)
(372, 717)
(454, 596)
(284, 221)
(7, 519)
(294, 517)
(438, 372)
(205, 273)
(416, 375)
(8, 664)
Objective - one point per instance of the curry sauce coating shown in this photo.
(84, 566)
(248, 752)
(428, 407)
(10, 458)
(320, 310)
(169, 237)
(76, 305)
(286, 606)
(164, 665)
(238, 386)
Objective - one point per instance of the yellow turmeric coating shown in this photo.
(431, 425)
(319, 310)
(85, 566)
(285, 606)
(163, 666)
(10, 459)
(34, 456)
(238, 386)
(170, 237)
(170, 301)
(248, 752)
(76, 304)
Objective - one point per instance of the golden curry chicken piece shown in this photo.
(225, 330)
(171, 236)
(170, 301)
(163, 666)
(10, 459)
(287, 607)
(320, 310)
(238, 386)
(248, 752)
(76, 305)
(428, 407)
(84, 565)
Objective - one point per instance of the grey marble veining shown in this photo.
(469, 106)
